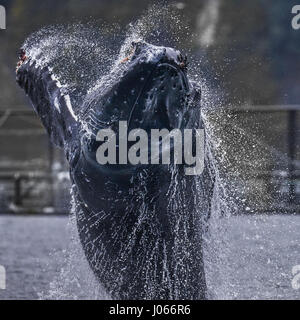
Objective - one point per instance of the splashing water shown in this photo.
(75, 279)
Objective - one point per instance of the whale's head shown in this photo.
(161, 96)
(149, 90)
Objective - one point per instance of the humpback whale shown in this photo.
(141, 227)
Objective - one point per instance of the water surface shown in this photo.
(35, 251)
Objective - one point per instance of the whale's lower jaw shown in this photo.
(146, 245)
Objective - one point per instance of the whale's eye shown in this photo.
(22, 59)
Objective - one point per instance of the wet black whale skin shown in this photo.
(139, 225)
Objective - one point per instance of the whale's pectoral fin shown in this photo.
(50, 100)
